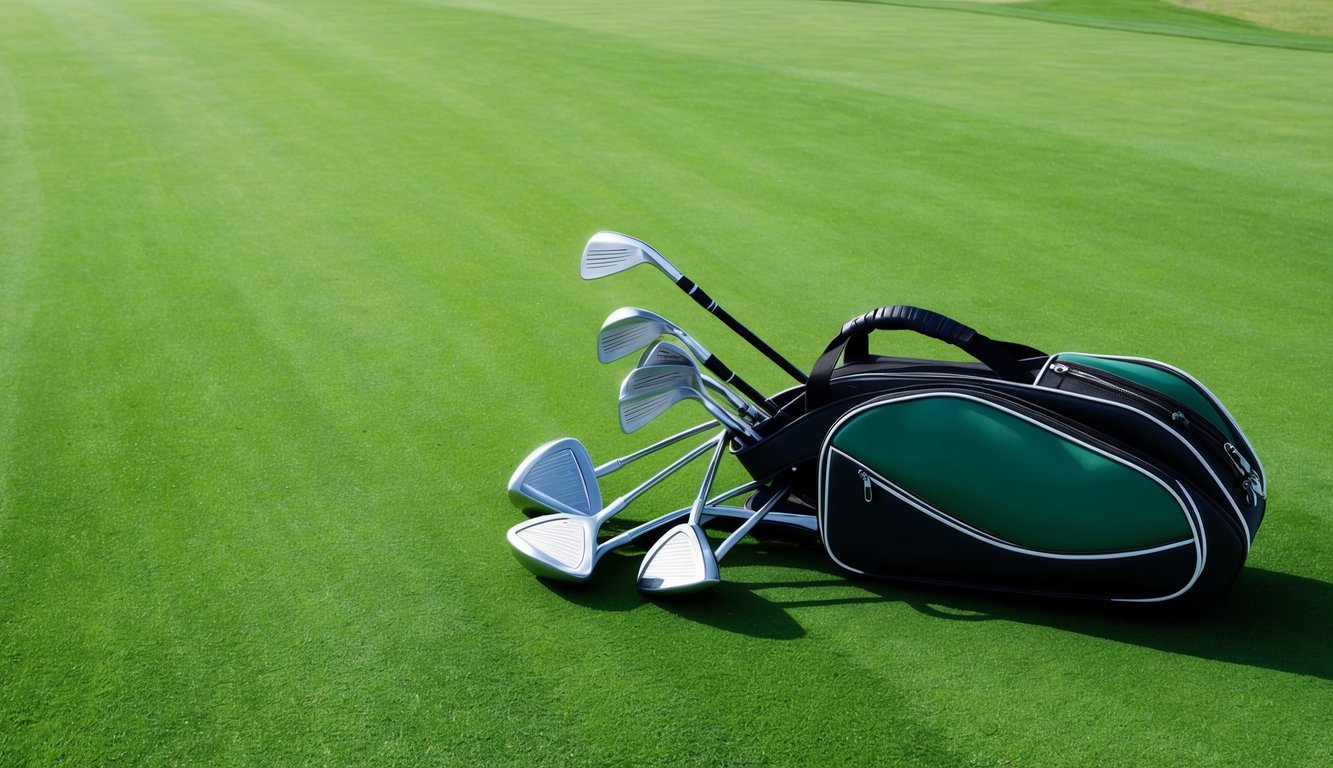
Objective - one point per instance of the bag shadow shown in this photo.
(1268, 619)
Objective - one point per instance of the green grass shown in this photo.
(287, 289)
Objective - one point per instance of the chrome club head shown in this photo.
(557, 477)
(659, 378)
(629, 329)
(638, 410)
(610, 252)
(681, 561)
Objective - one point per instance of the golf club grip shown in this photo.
(728, 376)
(713, 308)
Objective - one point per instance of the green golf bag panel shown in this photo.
(1034, 485)
(978, 489)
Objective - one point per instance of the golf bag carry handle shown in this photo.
(854, 342)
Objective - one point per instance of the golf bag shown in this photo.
(1070, 475)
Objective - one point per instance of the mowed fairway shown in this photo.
(288, 287)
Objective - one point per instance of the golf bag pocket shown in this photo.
(979, 489)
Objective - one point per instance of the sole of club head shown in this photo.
(679, 563)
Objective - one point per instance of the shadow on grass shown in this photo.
(1267, 619)
(732, 607)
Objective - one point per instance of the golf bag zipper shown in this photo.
(1180, 415)
(865, 480)
(1254, 487)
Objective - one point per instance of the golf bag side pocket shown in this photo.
(977, 489)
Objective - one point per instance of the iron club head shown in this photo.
(629, 329)
(557, 477)
(610, 252)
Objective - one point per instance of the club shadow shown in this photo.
(729, 607)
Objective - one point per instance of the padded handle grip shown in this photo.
(854, 341)
(901, 318)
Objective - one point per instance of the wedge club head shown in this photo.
(557, 477)
(680, 562)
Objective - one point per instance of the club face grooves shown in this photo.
(607, 253)
(679, 563)
(623, 337)
(639, 411)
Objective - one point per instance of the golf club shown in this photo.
(657, 378)
(559, 476)
(663, 352)
(629, 329)
(610, 252)
(681, 561)
(637, 411)
(564, 546)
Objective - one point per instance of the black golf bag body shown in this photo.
(1068, 475)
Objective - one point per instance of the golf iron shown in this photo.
(681, 561)
(637, 411)
(629, 329)
(607, 253)
(665, 353)
(559, 476)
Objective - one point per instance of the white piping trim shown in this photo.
(988, 538)
(1201, 555)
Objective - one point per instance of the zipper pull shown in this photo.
(1242, 466)
(1254, 487)
(1254, 490)
(1059, 368)
(865, 479)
